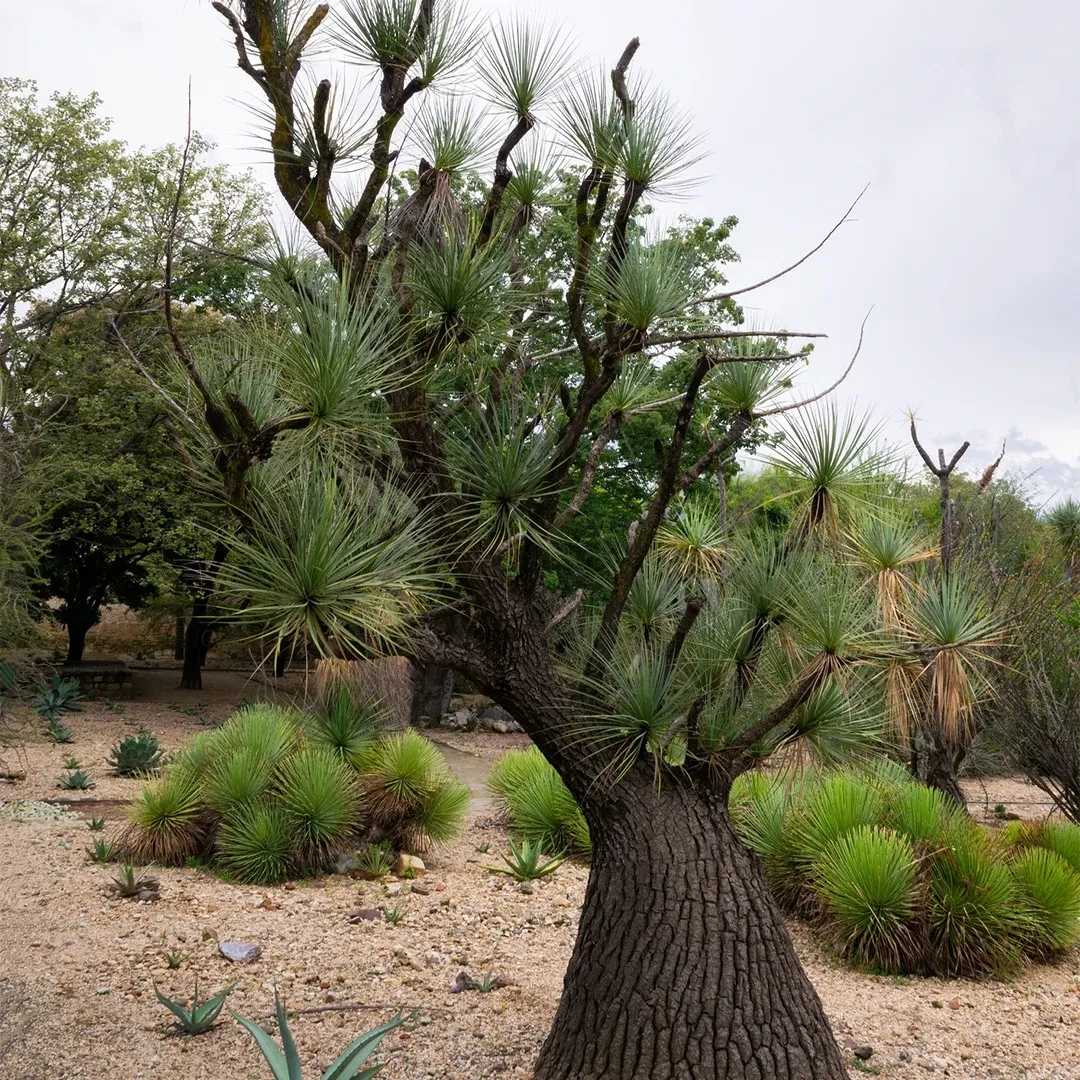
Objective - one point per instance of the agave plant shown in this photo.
(135, 755)
(526, 862)
(199, 1018)
(284, 1063)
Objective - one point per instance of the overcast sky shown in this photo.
(961, 115)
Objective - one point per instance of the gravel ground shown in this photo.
(77, 968)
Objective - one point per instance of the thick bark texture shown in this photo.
(432, 688)
(940, 767)
(683, 967)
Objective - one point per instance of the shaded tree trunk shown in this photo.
(200, 625)
(683, 967)
(940, 765)
(178, 639)
(432, 688)
(78, 626)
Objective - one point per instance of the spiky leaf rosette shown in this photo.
(834, 806)
(1063, 838)
(167, 822)
(403, 778)
(346, 724)
(537, 802)
(237, 779)
(866, 880)
(254, 844)
(974, 923)
(1049, 891)
(317, 793)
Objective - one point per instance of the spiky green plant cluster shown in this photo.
(135, 755)
(273, 794)
(538, 804)
(527, 862)
(903, 881)
(201, 1017)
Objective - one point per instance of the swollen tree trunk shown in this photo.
(683, 967)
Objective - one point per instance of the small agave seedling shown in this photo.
(524, 863)
(198, 1018)
(286, 1066)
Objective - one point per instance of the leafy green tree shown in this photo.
(416, 434)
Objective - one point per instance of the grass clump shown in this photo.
(903, 881)
(274, 794)
(538, 804)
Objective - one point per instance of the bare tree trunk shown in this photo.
(195, 645)
(432, 688)
(178, 639)
(940, 766)
(683, 967)
(78, 626)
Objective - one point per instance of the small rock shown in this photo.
(463, 981)
(938, 1004)
(954, 1003)
(364, 914)
(104, 990)
(863, 1053)
(433, 959)
(406, 862)
(965, 1055)
(394, 890)
(209, 934)
(527, 887)
(346, 864)
(940, 1063)
(240, 952)
(423, 890)
(905, 1054)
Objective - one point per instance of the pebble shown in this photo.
(240, 952)
(527, 887)
(35, 810)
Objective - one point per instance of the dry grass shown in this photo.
(386, 680)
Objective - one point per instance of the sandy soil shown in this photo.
(77, 968)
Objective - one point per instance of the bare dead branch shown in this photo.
(564, 612)
(588, 472)
(794, 266)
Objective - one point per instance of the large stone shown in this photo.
(496, 718)
(346, 864)
(406, 863)
(240, 952)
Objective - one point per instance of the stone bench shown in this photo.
(100, 678)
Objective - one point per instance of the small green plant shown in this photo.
(999, 811)
(488, 982)
(525, 863)
(409, 874)
(376, 860)
(394, 915)
(96, 824)
(173, 959)
(58, 732)
(865, 1067)
(198, 1018)
(114, 706)
(286, 1066)
(135, 755)
(101, 852)
(76, 780)
(57, 697)
(72, 762)
(132, 884)
(484, 848)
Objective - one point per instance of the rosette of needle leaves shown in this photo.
(885, 548)
(975, 924)
(331, 560)
(749, 379)
(649, 284)
(317, 792)
(243, 755)
(502, 461)
(461, 288)
(538, 804)
(409, 793)
(866, 879)
(833, 464)
(952, 623)
(831, 807)
(167, 821)
(255, 843)
(693, 542)
(1049, 896)
(1062, 838)
(347, 723)
(655, 602)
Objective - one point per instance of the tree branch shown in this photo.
(588, 472)
(690, 613)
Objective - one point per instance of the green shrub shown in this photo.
(1063, 838)
(410, 793)
(866, 879)
(975, 927)
(255, 844)
(167, 822)
(347, 724)
(375, 860)
(538, 804)
(272, 794)
(135, 755)
(316, 791)
(1049, 891)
